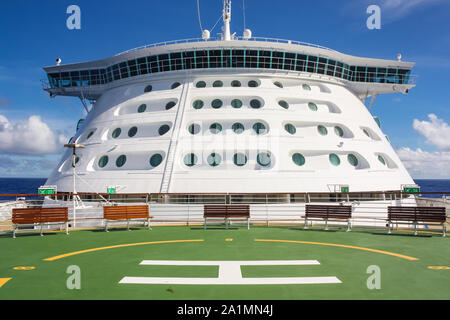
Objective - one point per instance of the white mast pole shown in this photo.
(226, 20)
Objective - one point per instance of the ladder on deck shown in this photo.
(171, 151)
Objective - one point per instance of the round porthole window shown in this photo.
(90, 135)
(148, 88)
(217, 84)
(175, 85)
(322, 130)
(306, 87)
(283, 104)
(338, 130)
(298, 159)
(214, 159)
(215, 128)
(200, 84)
(155, 160)
(255, 104)
(163, 129)
(198, 104)
(235, 83)
(103, 161)
(263, 159)
(381, 159)
(239, 159)
(312, 106)
(121, 160)
(238, 127)
(142, 108)
(216, 103)
(170, 105)
(190, 160)
(132, 132)
(253, 84)
(194, 128)
(116, 133)
(334, 159)
(259, 128)
(236, 103)
(278, 84)
(352, 160)
(290, 128)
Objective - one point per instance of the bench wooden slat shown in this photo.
(127, 213)
(417, 215)
(326, 212)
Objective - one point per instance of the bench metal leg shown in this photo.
(415, 228)
(326, 224)
(226, 223)
(14, 231)
(389, 227)
(41, 229)
(248, 223)
(444, 229)
(204, 223)
(67, 227)
(306, 224)
(106, 226)
(348, 225)
(148, 224)
(128, 225)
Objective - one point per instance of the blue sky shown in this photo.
(33, 34)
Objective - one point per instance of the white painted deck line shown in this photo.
(226, 262)
(219, 281)
(230, 273)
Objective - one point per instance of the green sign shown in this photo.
(46, 191)
(345, 189)
(111, 190)
(411, 189)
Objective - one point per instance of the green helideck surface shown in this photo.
(102, 270)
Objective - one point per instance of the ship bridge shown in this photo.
(363, 76)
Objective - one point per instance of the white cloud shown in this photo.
(30, 137)
(436, 131)
(425, 165)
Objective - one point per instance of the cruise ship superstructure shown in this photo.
(231, 115)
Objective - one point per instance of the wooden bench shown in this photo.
(39, 216)
(126, 213)
(417, 216)
(226, 213)
(328, 212)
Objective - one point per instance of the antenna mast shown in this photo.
(226, 20)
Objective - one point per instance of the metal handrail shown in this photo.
(240, 38)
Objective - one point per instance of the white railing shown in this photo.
(260, 39)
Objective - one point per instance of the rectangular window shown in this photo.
(142, 65)
(300, 63)
(312, 64)
(264, 59)
(133, 68)
(116, 72)
(94, 77)
(321, 66)
(188, 60)
(175, 59)
(215, 59)
(331, 67)
(339, 67)
(123, 70)
(164, 63)
(277, 60)
(371, 73)
(75, 79)
(226, 58)
(201, 59)
(154, 64)
(237, 60)
(381, 75)
(251, 58)
(289, 61)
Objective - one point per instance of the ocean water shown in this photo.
(31, 185)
